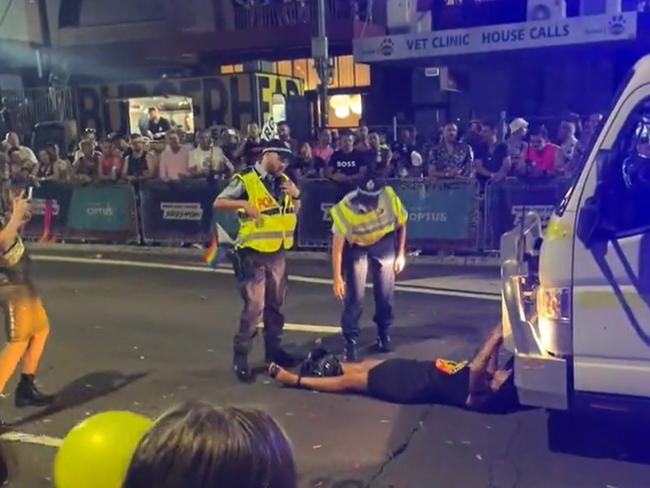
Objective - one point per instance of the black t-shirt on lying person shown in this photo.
(349, 164)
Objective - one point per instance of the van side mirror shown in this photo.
(588, 221)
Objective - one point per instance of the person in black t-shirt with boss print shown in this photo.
(347, 166)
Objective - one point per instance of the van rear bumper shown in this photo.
(541, 381)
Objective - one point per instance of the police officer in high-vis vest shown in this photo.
(267, 202)
(369, 230)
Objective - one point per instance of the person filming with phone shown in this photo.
(26, 322)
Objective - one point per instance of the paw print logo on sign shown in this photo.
(387, 47)
(616, 25)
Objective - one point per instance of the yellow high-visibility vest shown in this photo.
(278, 218)
(366, 228)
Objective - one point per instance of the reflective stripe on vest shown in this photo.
(366, 228)
(278, 220)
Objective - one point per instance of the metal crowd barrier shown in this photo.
(451, 215)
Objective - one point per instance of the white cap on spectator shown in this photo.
(416, 159)
(518, 124)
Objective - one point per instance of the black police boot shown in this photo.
(351, 351)
(27, 394)
(384, 342)
(241, 368)
(275, 354)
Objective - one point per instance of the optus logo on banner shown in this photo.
(181, 211)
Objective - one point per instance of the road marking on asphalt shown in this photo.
(494, 297)
(316, 329)
(40, 440)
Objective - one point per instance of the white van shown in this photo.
(576, 298)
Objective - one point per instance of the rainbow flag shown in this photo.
(218, 248)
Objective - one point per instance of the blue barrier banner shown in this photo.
(506, 202)
(102, 212)
(314, 222)
(178, 211)
(442, 214)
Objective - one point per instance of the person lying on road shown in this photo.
(476, 384)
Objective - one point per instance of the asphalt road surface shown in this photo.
(144, 339)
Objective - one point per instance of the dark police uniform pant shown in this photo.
(356, 259)
(263, 286)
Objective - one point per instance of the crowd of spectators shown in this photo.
(484, 150)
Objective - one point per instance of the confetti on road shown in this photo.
(141, 357)
(384, 421)
(479, 457)
(317, 446)
(466, 443)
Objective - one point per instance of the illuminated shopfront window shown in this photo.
(347, 73)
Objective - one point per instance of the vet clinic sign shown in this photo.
(504, 37)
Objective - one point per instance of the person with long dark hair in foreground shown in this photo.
(196, 445)
(477, 384)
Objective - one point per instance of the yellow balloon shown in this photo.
(96, 453)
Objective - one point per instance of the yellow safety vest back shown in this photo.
(278, 218)
(366, 228)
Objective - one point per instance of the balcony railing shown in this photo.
(296, 12)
